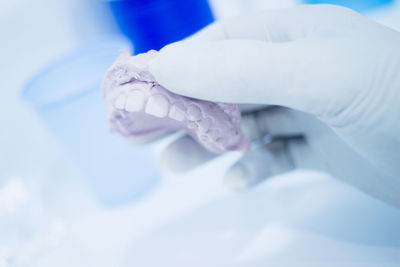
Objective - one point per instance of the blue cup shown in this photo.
(358, 5)
(152, 24)
(67, 96)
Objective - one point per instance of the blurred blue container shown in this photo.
(152, 24)
(67, 96)
(358, 5)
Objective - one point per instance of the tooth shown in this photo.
(204, 125)
(194, 113)
(204, 138)
(192, 125)
(134, 101)
(221, 141)
(120, 102)
(177, 112)
(157, 105)
(213, 133)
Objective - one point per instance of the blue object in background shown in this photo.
(358, 5)
(67, 96)
(152, 24)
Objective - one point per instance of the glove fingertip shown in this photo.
(235, 178)
(168, 67)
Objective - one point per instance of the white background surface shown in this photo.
(49, 217)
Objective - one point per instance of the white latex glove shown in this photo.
(334, 75)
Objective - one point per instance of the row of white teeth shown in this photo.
(158, 105)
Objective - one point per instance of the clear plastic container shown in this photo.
(67, 96)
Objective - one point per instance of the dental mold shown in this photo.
(141, 109)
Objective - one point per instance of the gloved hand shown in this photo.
(329, 74)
